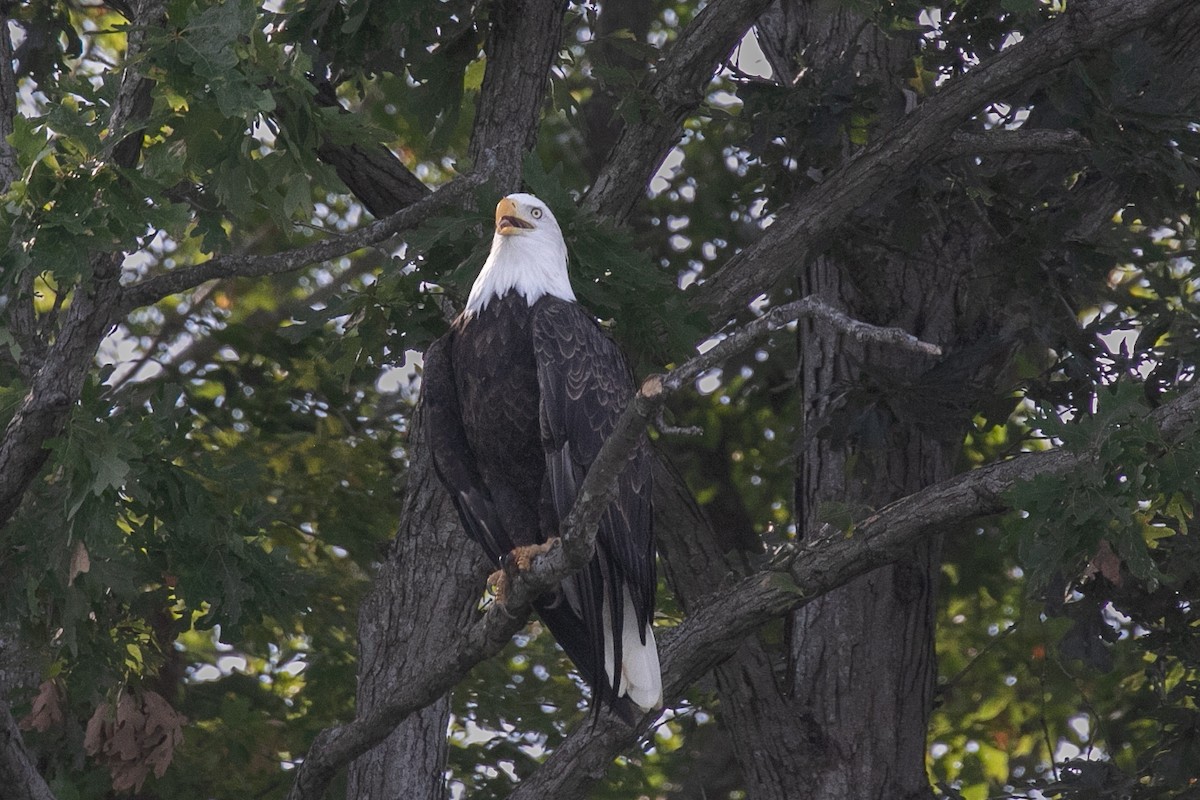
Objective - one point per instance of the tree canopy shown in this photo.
(919, 283)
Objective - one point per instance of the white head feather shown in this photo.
(528, 255)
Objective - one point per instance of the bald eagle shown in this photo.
(520, 395)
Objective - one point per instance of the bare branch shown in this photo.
(714, 631)
(678, 88)
(817, 213)
(151, 290)
(968, 143)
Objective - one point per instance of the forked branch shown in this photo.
(151, 290)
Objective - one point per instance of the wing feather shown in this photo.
(585, 385)
(452, 459)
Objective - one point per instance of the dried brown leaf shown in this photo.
(98, 730)
(47, 710)
(123, 744)
(140, 737)
(1106, 563)
(128, 776)
(80, 562)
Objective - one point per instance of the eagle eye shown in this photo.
(536, 213)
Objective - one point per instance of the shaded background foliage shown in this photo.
(206, 526)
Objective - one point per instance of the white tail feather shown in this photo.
(641, 678)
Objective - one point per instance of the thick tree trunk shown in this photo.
(430, 581)
(863, 655)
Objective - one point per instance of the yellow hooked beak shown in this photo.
(508, 221)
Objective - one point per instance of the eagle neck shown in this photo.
(529, 264)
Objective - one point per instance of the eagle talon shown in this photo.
(523, 557)
(498, 583)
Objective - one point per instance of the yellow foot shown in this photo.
(498, 583)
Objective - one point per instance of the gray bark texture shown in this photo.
(422, 597)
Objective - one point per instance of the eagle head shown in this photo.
(528, 256)
(523, 214)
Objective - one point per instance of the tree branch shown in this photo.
(817, 213)
(371, 172)
(598, 489)
(969, 143)
(714, 631)
(151, 290)
(677, 89)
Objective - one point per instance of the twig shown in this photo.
(154, 289)
(950, 684)
(169, 328)
(667, 429)
(966, 143)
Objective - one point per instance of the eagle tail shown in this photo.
(641, 677)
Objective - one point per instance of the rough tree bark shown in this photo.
(421, 599)
(862, 656)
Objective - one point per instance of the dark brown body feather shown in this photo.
(520, 400)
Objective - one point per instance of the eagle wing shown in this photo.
(452, 459)
(585, 385)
